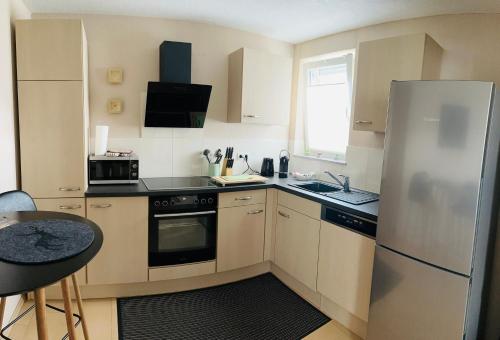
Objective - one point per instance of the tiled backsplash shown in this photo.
(178, 152)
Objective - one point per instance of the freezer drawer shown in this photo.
(414, 301)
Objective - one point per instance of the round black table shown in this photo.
(23, 278)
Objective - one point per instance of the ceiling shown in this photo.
(289, 20)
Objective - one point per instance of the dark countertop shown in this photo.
(368, 210)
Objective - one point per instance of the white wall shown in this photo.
(10, 10)
(133, 43)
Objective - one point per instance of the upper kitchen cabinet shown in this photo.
(410, 57)
(50, 49)
(259, 87)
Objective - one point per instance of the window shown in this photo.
(326, 106)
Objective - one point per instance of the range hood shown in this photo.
(174, 101)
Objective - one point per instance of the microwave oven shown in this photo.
(113, 169)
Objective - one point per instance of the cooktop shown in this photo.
(172, 183)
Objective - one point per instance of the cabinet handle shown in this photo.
(246, 198)
(283, 214)
(69, 189)
(255, 212)
(101, 206)
(252, 116)
(363, 122)
(70, 207)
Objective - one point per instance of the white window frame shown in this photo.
(327, 60)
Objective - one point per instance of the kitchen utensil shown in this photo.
(284, 158)
(206, 153)
(267, 168)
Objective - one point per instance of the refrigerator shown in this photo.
(436, 268)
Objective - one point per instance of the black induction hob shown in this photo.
(173, 183)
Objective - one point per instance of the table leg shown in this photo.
(41, 315)
(2, 310)
(80, 307)
(67, 309)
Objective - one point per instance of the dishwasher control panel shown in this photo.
(350, 221)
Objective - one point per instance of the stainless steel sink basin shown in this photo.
(354, 196)
(317, 187)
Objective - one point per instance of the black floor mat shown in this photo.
(258, 308)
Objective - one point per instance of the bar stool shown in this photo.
(23, 278)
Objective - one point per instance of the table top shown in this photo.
(22, 278)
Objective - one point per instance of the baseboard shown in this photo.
(168, 286)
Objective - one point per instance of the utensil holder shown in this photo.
(214, 169)
(229, 172)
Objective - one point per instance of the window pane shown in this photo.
(327, 109)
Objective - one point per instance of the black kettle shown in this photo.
(267, 169)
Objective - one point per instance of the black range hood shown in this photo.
(174, 101)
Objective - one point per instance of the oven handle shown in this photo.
(186, 214)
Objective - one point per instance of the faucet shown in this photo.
(345, 185)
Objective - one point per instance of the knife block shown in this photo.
(223, 169)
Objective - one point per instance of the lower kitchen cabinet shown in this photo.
(296, 248)
(123, 257)
(75, 206)
(345, 268)
(240, 236)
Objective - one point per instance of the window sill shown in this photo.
(324, 159)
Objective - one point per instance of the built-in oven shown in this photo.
(182, 229)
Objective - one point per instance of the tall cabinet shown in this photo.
(53, 111)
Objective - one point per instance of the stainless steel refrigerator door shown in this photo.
(411, 300)
(432, 168)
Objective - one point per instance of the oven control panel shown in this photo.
(202, 201)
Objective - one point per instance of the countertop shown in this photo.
(368, 210)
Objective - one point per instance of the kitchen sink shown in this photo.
(317, 187)
(354, 196)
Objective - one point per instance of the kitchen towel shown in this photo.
(101, 140)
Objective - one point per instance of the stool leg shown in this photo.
(67, 309)
(41, 316)
(2, 310)
(80, 307)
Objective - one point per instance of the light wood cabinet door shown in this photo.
(345, 268)
(49, 49)
(410, 57)
(239, 198)
(297, 243)
(123, 257)
(75, 206)
(52, 138)
(260, 86)
(240, 236)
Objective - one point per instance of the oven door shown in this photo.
(183, 237)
